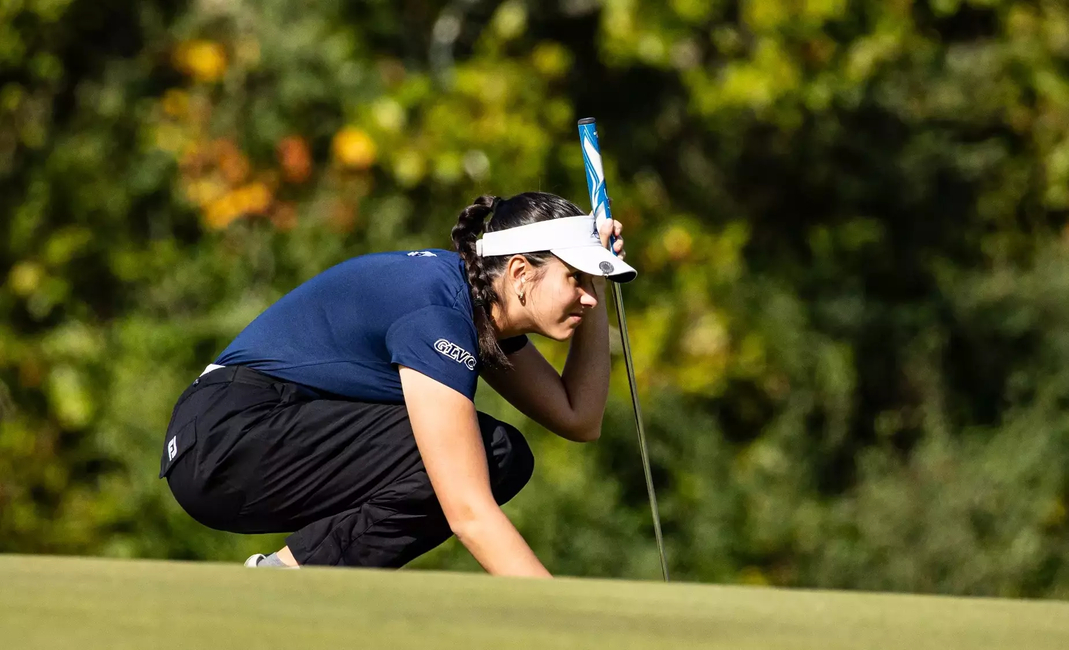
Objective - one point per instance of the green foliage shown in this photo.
(850, 328)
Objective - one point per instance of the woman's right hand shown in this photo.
(447, 434)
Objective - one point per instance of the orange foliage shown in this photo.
(295, 159)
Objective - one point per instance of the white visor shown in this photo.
(574, 240)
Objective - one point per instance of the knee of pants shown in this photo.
(510, 458)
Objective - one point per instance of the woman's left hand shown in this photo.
(610, 228)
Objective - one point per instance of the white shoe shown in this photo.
(254, 559)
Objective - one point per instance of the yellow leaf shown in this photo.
(354, 148)
(203, 60)
(510, 20)
(25, 278)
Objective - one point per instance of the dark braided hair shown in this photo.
(519, 210)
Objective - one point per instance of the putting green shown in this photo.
(83, 604)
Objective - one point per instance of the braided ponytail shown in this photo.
(469, 226)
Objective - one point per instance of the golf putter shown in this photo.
(599, 201)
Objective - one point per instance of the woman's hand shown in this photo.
(609, 228)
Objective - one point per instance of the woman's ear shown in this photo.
(516, 271)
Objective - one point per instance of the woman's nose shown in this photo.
(588, 300)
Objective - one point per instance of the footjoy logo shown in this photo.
(455, 352)
(172, 448)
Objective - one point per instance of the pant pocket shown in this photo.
(178, 445)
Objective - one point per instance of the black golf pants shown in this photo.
(248, 453)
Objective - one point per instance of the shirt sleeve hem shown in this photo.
(416, 364)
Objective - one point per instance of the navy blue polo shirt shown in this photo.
(346, 330)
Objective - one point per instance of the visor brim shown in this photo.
(597, 260)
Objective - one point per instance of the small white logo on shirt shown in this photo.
(172, 448)
(422, 254)
(455, 352)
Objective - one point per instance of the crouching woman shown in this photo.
(344, 413)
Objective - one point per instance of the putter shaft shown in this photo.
(618, 298)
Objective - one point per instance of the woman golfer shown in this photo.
(343, 414)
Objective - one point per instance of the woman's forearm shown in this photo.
(586, 371)
(498, 546)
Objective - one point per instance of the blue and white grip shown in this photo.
(595, 174)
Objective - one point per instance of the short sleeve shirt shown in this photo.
(346, 331)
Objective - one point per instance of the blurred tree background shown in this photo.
(851, 327)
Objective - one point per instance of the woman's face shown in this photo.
(559, 299)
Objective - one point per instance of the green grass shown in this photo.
(82, 604)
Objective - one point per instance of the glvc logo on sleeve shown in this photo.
(455, 352)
